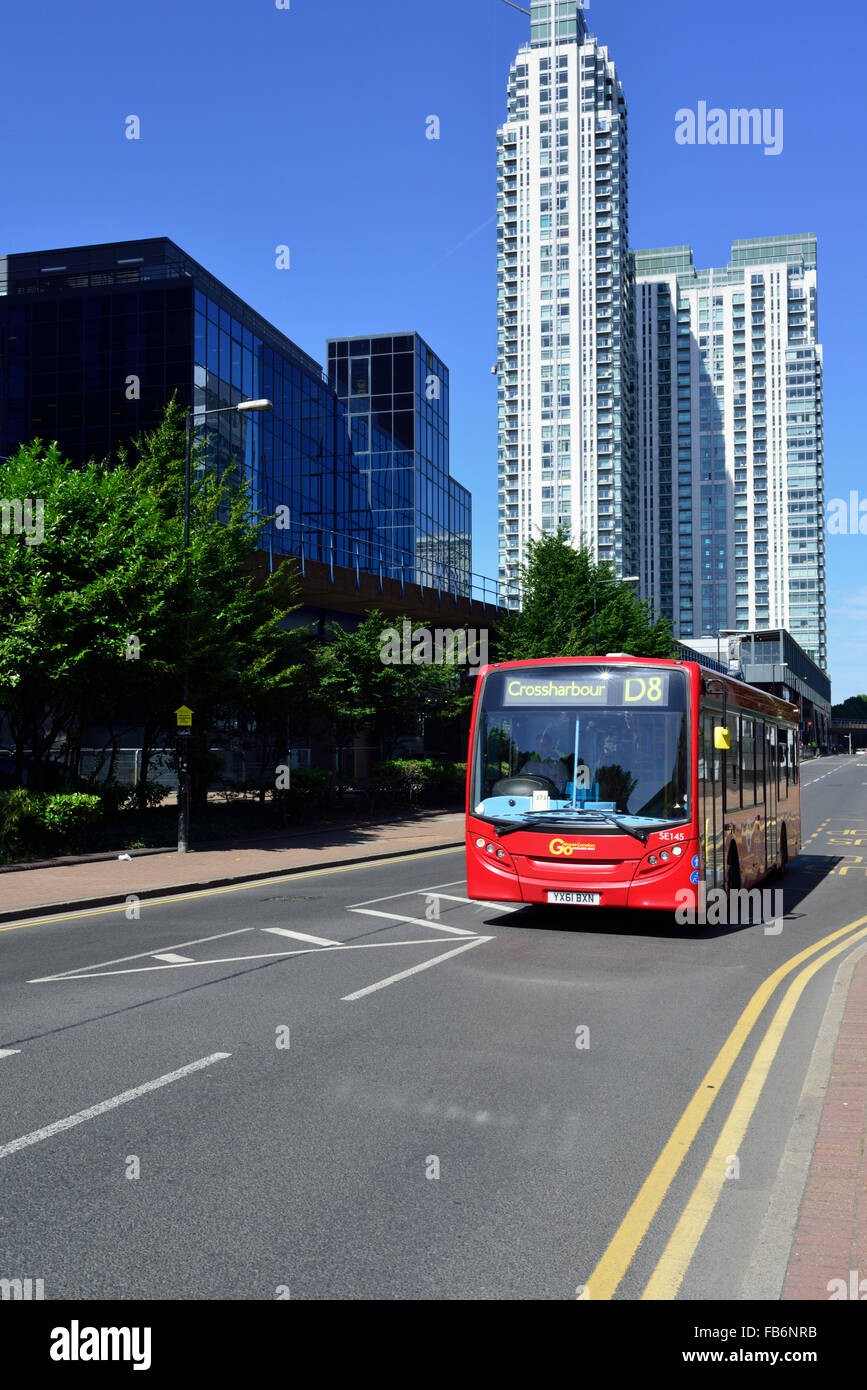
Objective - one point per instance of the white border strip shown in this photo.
(415, 921)
(105, 1105)
(426, 965)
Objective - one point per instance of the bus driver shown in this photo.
(545, 763)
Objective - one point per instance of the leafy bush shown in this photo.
(67, 816)
(112, 795)
(420, 781)
(154, 794)
(310, 787)
(34, 823)
(19, 820)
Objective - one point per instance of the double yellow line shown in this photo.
(669, 1273)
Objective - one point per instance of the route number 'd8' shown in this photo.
(638, 691)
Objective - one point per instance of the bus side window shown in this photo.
(734, 796)
(748, 737)
(761, 761)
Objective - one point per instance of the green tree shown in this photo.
(110, 578)
(227, 619)
(556, 617)
(68, 602)
(356, 690)
(853, 708)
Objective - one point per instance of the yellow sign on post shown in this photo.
(184, 717)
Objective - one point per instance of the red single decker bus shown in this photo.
(620, 781)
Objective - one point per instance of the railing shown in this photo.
(238, 764)
(371, 555)
(689, 654)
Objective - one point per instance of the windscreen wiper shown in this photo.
(508, 828)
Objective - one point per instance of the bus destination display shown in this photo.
(580, 690)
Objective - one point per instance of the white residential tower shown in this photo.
(566, 352)
(730, 441)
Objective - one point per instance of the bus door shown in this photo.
(771, 809)
(711, 804)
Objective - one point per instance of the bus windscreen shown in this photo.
(613, 738)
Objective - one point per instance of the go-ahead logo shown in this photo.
(558, 846)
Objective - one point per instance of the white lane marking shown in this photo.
(37, 1135)
(173, 959)
(302, 936)
(478, 902)
(9, 1051)
(416, 921)
(235, 960)
(425, 965)
(140, 955)
(408, 892)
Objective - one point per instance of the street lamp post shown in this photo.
(243, 407)
(627, 579)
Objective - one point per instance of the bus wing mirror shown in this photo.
(722, 739)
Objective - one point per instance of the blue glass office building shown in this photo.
(395, 392)
(94, 341)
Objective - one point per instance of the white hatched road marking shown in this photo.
(9, 1051)
(415, 921)
(425, 965)
(477, 902)
(302, 936)
(173, 959)
(140, 955)
(236, 960)
(407, 892)
(37, 1135)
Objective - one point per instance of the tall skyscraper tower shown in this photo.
(565, 296)
(731, 462)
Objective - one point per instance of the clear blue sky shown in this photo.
(306, 127)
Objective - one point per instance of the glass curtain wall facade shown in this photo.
(566, 351)
(731, 457)
(395, 392)
(297, 457)
(95, 340)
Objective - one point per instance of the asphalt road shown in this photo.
(432, 1100)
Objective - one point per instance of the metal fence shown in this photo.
(369, 554)
(239, 765)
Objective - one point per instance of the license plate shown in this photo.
(576, 899)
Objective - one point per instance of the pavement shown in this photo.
(828, 1256)
(90, 881)
(813, 1244)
